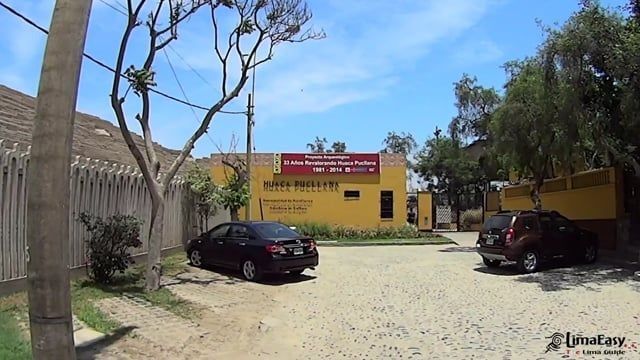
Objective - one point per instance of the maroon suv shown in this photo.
(530, 237)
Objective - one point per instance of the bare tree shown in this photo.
(48, 186)
(260, 26)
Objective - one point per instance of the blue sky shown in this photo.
(384, 66)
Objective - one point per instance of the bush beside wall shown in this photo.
(323, 231)
(471, 219)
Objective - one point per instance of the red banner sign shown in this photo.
(317, 164)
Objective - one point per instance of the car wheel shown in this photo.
(590, 254)
(528, 262)
(296, 272)
(491, 263)
(195, 258)
(251, 271)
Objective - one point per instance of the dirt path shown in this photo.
(226, 327)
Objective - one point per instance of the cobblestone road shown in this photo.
(437, 302)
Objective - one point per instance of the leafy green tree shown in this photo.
(475, 106)
(234, 193)
(402, 143)
(202, 185)
(527, 128)
(339, 147)
(319, 145)
(597, 52)
(446, 167)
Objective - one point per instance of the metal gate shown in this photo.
(457, 212)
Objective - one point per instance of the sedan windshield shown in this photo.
(275, 231)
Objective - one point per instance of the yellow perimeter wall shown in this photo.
(593, 195)
(425, 211)
(320, 198)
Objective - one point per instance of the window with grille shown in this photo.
(386, 204)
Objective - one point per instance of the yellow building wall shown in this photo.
(597, 202)
(316, 198)
(425, 211)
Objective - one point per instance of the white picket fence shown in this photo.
(97, 187)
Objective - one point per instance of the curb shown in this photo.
(84, 336)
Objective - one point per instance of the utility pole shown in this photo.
(249, 130)
(48, 183)
(250, 123)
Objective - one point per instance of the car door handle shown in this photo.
(242, 244)
(220, 242)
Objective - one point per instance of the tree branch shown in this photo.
(283, 21)
(623, 157)
(188, 146)
(116, 102)
(174, 22)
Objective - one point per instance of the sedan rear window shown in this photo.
(275, 231)
(498, 222)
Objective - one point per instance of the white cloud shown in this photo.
(368, 45)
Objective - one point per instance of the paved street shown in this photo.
(396, 302)
(432, 302)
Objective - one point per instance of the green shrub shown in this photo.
(470, 217)
(109, 244)
(323, 231)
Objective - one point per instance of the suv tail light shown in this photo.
(312, 245)
(275, 248)
(511, 235)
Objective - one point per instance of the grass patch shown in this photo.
(85, 292)
(13, 344)
(132, 283)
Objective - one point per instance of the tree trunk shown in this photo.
(47, 251)
(233, 211)
(535, 195)
(154, 264)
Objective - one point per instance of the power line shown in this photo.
(114, 8)
(189, 65)
(184, 93)
(107, 67)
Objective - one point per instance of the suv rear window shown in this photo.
(498, 222)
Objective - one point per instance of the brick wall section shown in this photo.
(92, 137)
(266, 159)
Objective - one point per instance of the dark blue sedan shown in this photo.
(255, 248)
